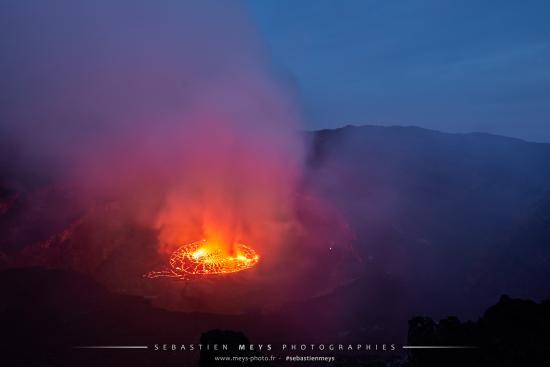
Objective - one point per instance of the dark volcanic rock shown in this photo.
(46, 313)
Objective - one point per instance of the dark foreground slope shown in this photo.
(46, 313)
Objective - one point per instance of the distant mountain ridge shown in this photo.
(452, 217)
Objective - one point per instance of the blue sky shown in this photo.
(457, 66)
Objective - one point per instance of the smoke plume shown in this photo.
(131, 128)
(169, 108)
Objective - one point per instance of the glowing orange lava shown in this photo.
(201, 258)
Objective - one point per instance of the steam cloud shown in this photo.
(167, 107)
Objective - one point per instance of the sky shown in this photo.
(455, 66)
